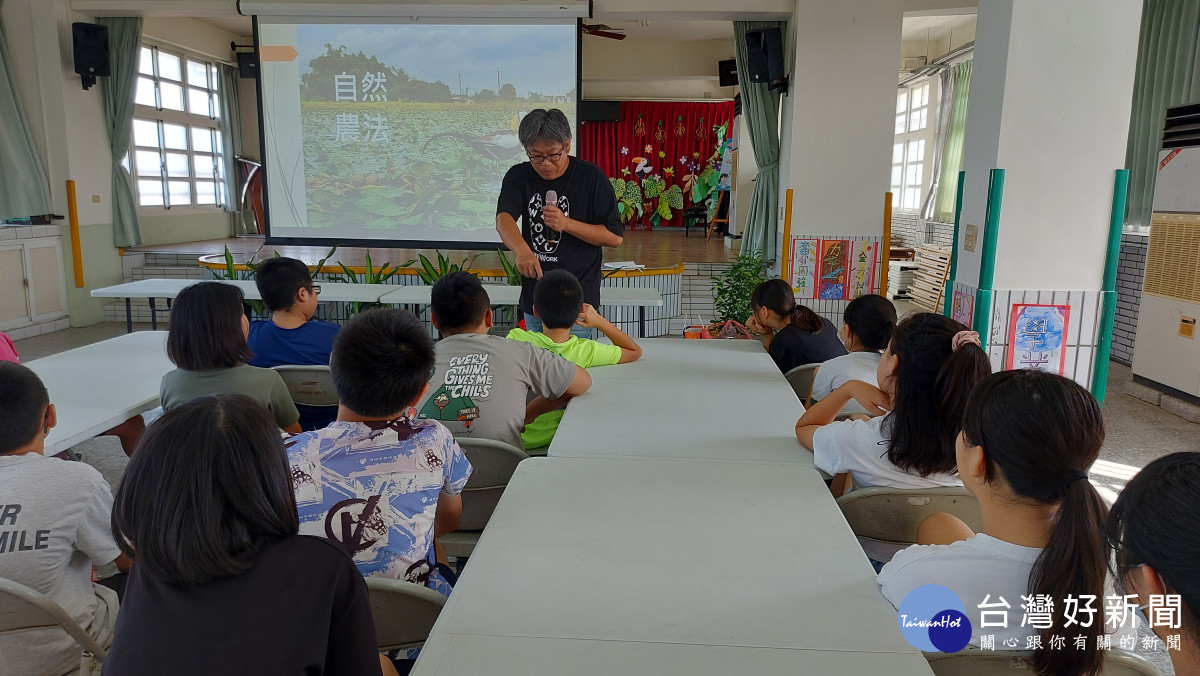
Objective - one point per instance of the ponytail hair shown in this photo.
(1040, 432)
(1153, 523)
(776, 296)
(931, 386)
(872, 319)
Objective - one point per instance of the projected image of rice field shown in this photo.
(379, 165)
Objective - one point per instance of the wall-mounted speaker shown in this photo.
(764, 55)
(247, 64)
(727, 72)
(89, 42)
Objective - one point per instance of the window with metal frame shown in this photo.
(912, 144)
(176, 149)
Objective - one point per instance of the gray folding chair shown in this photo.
(404, 612)
(892, 515)
(23, 609)
(801, 380)
(310, 385)
(975, 662)
(493, 464)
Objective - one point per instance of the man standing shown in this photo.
(567, 209)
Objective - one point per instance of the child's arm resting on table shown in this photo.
(590, 319)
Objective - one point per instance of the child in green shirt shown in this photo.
(558, 302)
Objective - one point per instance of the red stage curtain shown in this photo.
(617, 147)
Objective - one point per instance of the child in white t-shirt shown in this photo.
(868, 324)
(925, 376)
(54, 527)
(1028, 438)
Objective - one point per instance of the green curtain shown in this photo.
(1168, 74)
(124, 43)
(24, 188)
(760, 108)
(231, 140)
(952, 154)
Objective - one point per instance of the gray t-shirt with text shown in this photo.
(482, 382)
(54, 525)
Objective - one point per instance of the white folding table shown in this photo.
(99, 386)
(151, 289)
(701, 399)
(498, 294)
(584, 556)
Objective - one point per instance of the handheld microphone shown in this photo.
(551, 198)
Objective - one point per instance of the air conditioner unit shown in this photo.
(913, 63)
(1167, 350)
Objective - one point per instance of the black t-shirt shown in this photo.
(301, 609)
(584, 194)
(793, 346)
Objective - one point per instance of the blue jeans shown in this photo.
(534, 324)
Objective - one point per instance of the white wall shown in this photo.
(838, 118)
(640, 69)
(1050, 103)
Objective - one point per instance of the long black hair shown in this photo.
(206, 328)
(872, 318)
(777, 296)
(932, 383)
(1040, 433)
(1153, 523)
(207, 489)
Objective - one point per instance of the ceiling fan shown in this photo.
(603, 31)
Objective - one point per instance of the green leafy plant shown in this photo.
(371, 275)
(731, 291)
(510, 269)
(430, 274)
(232, 273)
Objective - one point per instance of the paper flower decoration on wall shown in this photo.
(659, 134)
(624, 150)
(669, 171)
(683, 160)
(639, 129)
(680, 129)
(662, 155)
(649, 149)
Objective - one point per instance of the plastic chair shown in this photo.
(404, 612)
(23, 609)
(310, 385)
(975, 662)
(493, 464)
(892, 515)
(801, 380)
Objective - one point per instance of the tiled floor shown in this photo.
(652, 249)
(1137, 431)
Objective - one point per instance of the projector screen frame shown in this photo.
(450, 245)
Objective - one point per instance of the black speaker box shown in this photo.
(727, 72)
(764, 57)
(599, 111)
(247, 64)
(90, 43)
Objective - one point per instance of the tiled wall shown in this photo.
(1129, 295)
(1082, 327)
(907, 229)
(10, 232)
(940, 234)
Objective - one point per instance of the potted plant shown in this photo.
(731, 291)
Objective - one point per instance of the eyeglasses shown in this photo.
(316, 289)
(545, 159)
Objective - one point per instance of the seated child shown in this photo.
(481, 383)
(558, 302)
(1027, 440)
(8, 351)
(377, 481)
(925, 377)
(54, 527)
(291, 335)
(869, 321)
(224, 584)
(795, 335)
(207, 341)
(1155, 540)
